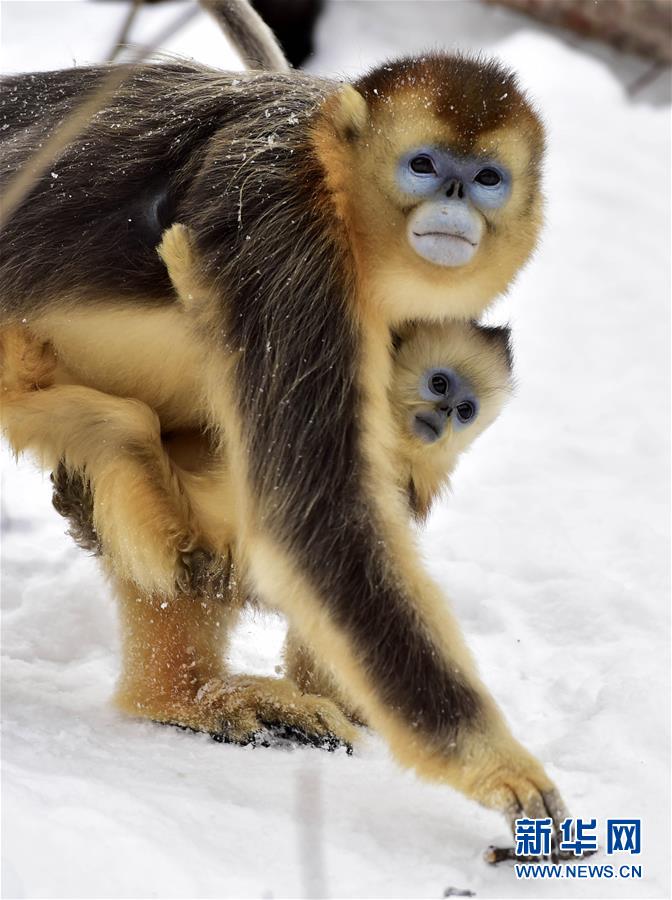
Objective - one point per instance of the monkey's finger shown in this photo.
(527, 802)
(533, 802)
(555, 807)
(557, 811)
(513, 812)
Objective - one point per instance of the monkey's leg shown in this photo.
(173, 672)
(140, 514)
(173, 646)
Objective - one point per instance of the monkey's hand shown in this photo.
(501, 774)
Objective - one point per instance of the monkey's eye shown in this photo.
(423, 165)
(439, 384)
(488, 178)
(466, 411)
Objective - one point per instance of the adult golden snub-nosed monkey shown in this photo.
(324, 216)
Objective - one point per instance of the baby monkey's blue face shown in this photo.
(447, 398)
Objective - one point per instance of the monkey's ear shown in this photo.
(499, 336)
(348, 112)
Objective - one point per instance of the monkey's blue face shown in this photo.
(454, 194)
(447, 398)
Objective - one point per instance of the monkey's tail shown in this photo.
(250, 35)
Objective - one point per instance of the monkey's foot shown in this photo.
(312, 677)
(266, 711)
(205, 574)
(247, 709)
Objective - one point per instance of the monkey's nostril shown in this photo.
(449, 192)
(460, 192)
(446, 409)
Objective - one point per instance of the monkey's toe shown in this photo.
(270, 712)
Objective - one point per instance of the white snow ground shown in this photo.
(553, 550)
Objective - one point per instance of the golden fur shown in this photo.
(327, 556)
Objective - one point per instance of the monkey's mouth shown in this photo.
(444, 234)
(428, 427)
(443, 248)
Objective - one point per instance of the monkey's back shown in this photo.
(90, 225)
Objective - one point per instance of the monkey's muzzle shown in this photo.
(429, 426)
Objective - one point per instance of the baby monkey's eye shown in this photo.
(466, 411)
(423, 165)
(488, 177)
(439, 384)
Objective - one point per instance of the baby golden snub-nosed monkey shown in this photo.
(324, 216)
(449, 383)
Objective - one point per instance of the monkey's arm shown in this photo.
(348, 579)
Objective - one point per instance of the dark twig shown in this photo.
(122, 38)
(495, 855)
